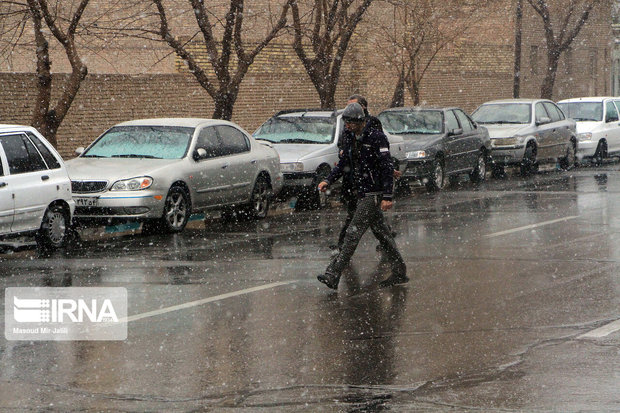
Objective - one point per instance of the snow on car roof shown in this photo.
(587, 99)
(186, 122)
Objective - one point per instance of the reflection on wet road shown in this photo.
(507, 281)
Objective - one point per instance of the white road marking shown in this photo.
(602, 331)
(531, 226)
(203, 301)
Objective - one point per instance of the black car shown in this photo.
(440, 143)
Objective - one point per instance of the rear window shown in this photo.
(426, 122)
(503, 113)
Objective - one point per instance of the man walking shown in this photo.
(366, 156)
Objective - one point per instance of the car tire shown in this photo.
(528, 163)
(177, 210)
(312, 198)
(437, 178)
(55, 228)
(600, 154)
(260, 199)
(570, 159)
(479, 173)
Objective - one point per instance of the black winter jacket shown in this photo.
(374, 170)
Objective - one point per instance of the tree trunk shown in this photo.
(224, 104)
(414, 90)
(516, 89)
(546, 90)
(398, 98)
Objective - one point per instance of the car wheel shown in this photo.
(528, 164)
(480, 169)
(55, 228)
(569, 160)
(601, 153)
(260, 199)
(437, 178)
(312, 198)
(177, 209)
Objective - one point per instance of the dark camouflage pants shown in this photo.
(367, 214)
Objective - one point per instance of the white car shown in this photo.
(35, 189)
(598, 125)
(307, 141)
(159, 171)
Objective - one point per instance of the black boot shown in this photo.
(395, 278)
(329, 280)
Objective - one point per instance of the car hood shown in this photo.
(583, 127)
(112, 169)
(294, 152)
(505, 131)
(414, 142)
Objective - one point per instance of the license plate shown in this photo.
(87, 202)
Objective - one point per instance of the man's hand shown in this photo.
(323, 186)
(386, 205)
(397, 174)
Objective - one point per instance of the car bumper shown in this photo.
(119, 207)
(418, 169)
(298, 180)
(586, 149)
(509, 155)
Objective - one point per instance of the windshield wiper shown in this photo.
(586, 119)
(93, 156)
(134, 155)
(297, 140)
(264, 139)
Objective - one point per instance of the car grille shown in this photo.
(88, 187)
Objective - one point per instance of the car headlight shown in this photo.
(292, 167)
(416, 154)
(587, 136)
(133, 184)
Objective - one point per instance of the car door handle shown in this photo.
(253, 161)
(3, 184)
(225, 166)
(45, 177)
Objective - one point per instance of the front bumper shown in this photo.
(586, 148)
(299, 180)
(418, 169)
(119, 207)
(508, 155)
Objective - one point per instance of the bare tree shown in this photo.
(228, 73)
(62, 21)
(560, 30)
(516, 86)
(418, 31)
(322, 38)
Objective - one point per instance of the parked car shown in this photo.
(35, 190)
(307, 141)
(159, 171)
(526, 132)
(598, 126)
(439, 143)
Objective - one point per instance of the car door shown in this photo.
(209, 177)
(470, 142)
(29, 181)
(241, 164)
(452, 142)
(561, 132)
(544, 132)
(612, 126)
(7, 207)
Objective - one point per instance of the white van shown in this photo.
(35, 189)
(598, 125)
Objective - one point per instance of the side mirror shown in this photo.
(543, 120)
(457, 131)
(79, 151)
(199, 154)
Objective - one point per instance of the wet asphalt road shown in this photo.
(510, 283)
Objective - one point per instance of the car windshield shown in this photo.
(426, 122)
(157, 142)
(297, 129)
(583, 111)
(501, 113)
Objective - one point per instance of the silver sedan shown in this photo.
(159, 171)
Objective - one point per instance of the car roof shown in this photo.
(15, 127)
(519, 100)
(318, 113)
(419, 108)
(184, 122)
(587, 99)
